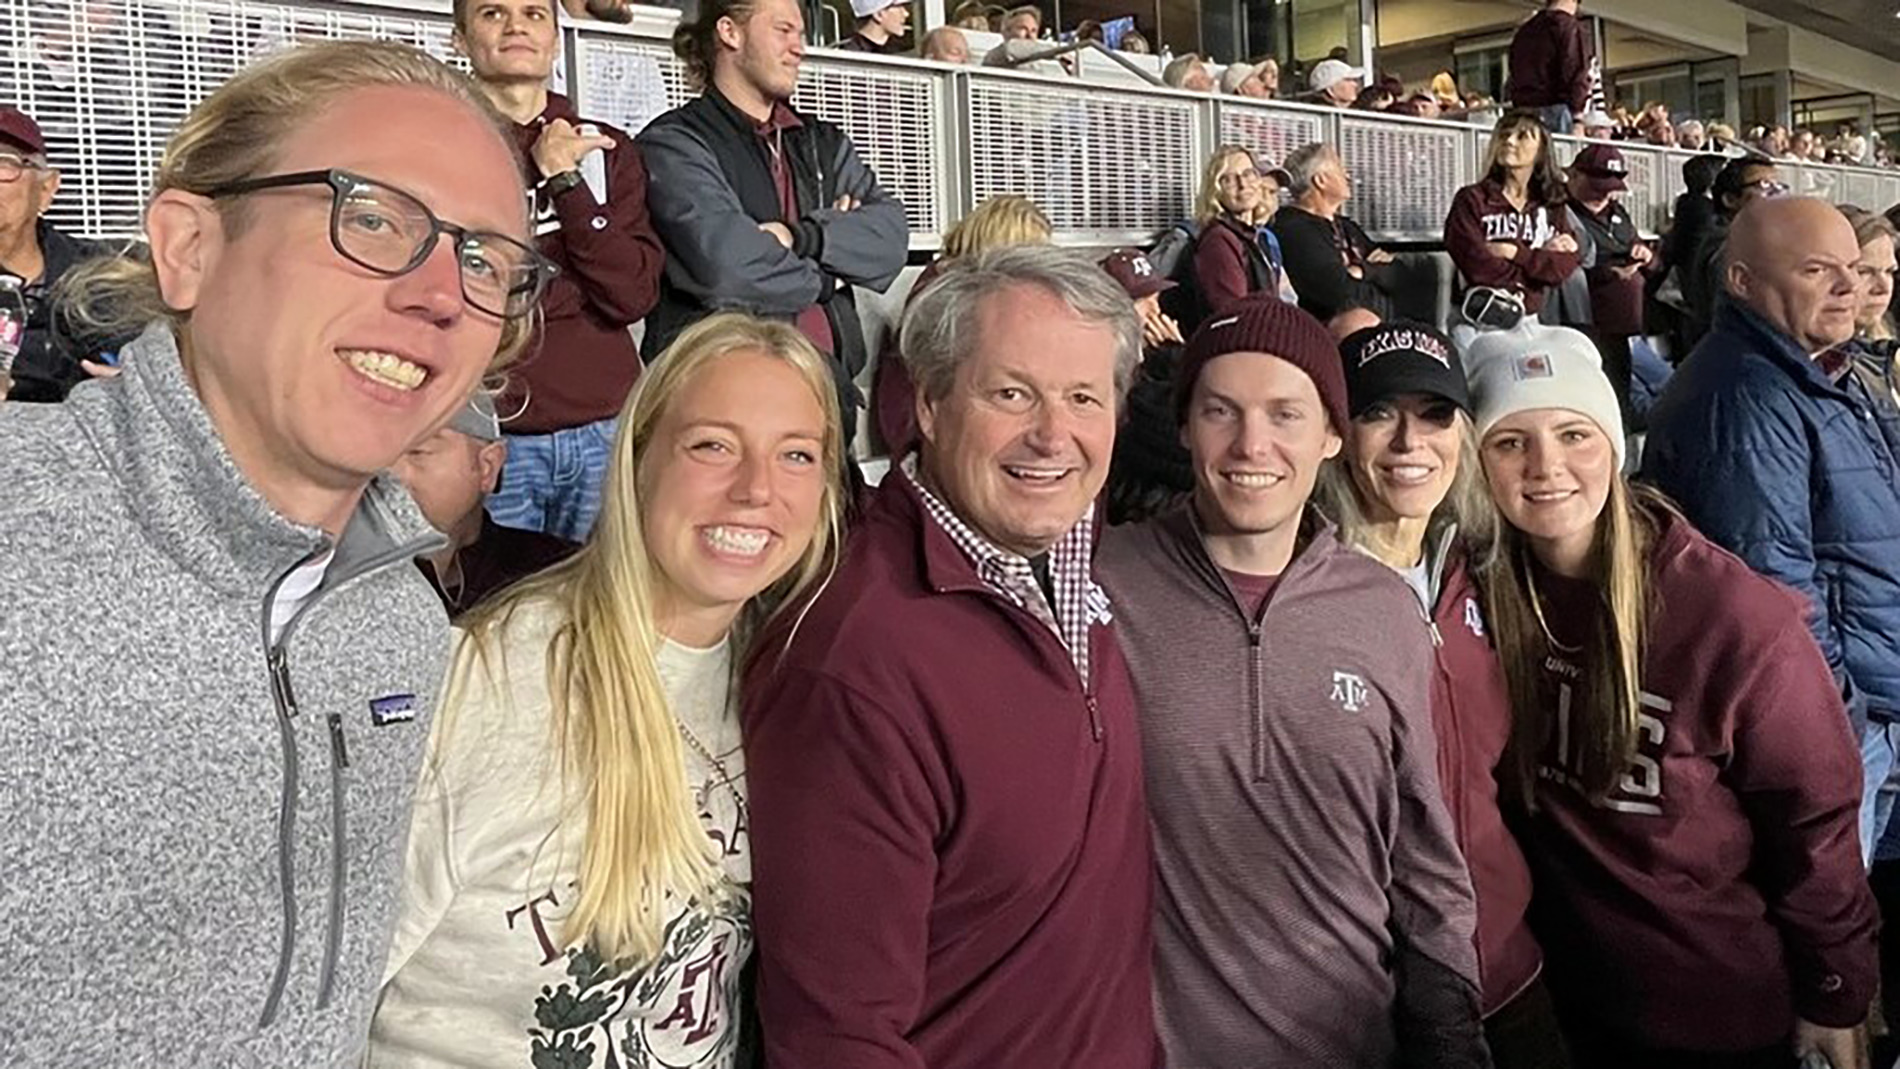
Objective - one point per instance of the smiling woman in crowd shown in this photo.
(1680, 745)
(1232, 258)
(580, 860)
(1406, 489)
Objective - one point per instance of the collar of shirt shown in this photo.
(1080, 602)
(1834, 363)
(783, 118)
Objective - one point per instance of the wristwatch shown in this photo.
(556, 184)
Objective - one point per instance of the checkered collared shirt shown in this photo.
(1079, 601)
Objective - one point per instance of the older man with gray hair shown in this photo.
(1329, 259)
(950, 842)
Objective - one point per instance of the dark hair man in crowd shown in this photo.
(764, 209)
(449, 474)
(1615, 259)
(1313, 908)
(563, 399)
(1741, 182)
(1331, 262)
(1550, 67)
(38, 254)
(881, 25)
(1777, 453)
(950, 853)
(210, 734)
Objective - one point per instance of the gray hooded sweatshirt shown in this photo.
(200, 831)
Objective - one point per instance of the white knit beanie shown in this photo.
(1536, 366)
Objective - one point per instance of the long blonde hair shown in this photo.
(1466, 504)
(614, 727)
(235, 134)
(1207, 203)
(1603, 712)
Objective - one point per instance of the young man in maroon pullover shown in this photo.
(1551, 67)
(1312, 906)
(561, 400)
(950, 852)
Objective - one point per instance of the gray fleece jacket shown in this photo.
(200, 832)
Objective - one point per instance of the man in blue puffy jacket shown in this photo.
(1776, 452)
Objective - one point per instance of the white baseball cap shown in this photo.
(864, 9)
(1330, 72)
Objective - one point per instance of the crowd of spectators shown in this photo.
(1231, 667)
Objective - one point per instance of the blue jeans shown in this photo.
(1879, 755)
(1557, 118)
(551, 482)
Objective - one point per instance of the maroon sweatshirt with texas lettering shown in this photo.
(1717, 893)
(1481, 216)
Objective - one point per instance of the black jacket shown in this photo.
(1318, 253)
(48, 364)
(709, 186)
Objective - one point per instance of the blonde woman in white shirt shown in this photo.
(579, 862)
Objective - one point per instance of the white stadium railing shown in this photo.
(1111, 162)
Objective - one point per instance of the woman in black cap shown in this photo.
(1407, 489)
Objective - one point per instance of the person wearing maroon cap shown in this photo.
(560, 405)
(39, 254)
(1150, 471)
(1312, 906)
(1615, 260)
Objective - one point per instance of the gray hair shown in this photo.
(1304, 164)
(939, 331)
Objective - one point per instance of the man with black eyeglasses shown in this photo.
(36, 254)
(220, 662)
(1741, 182)
(590, 198)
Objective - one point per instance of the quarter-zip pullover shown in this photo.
(950, 855)
(1312, 907)
(203, 822)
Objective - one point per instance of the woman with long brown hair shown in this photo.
(579, 864)
(1679, 745)
(1508, 231)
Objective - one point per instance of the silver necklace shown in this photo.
(719, 769)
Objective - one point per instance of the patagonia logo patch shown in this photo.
(392, 709)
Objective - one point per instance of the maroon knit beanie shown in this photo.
(1266, 324)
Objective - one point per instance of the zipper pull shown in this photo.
(337, 746)
(1438, 639)
(280, 680)
(1095, 717)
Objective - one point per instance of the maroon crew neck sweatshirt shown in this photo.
(1717, 893)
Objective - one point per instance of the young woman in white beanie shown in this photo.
(1679, 743)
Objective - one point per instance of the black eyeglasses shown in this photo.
(379, 227)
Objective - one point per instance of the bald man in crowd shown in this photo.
(946, 44)
(1780, 455)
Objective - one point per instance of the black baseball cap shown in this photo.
(1400, 357)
